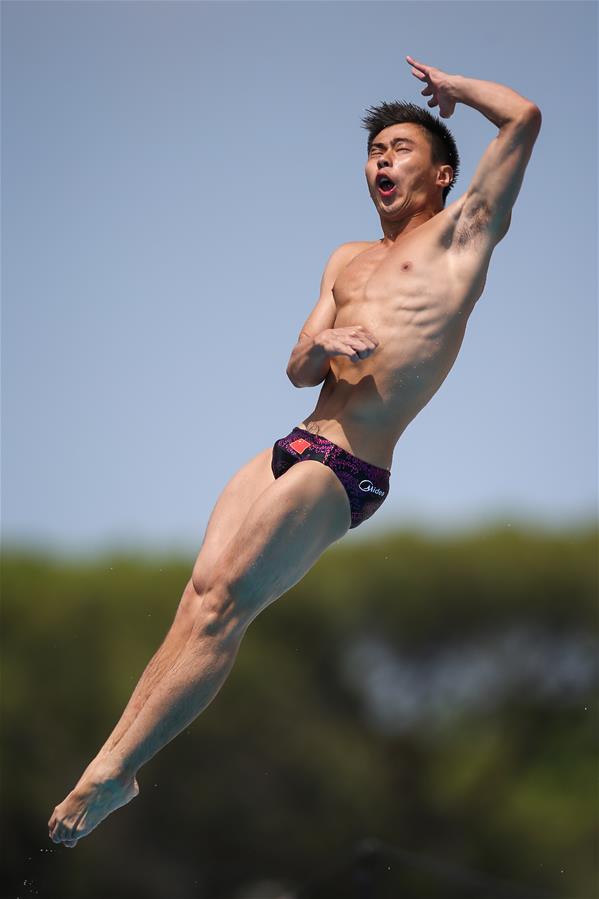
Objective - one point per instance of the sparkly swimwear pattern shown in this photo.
(366, 485)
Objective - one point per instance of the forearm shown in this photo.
(308, 364)
(500, 104)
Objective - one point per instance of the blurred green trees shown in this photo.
(438, 694)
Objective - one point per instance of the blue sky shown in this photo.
(167, 210)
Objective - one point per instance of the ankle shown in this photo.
(108, 767)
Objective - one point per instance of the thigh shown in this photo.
(238, 496)
(283, 534)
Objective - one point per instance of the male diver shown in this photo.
(383, 336)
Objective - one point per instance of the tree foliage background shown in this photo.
(437, 695)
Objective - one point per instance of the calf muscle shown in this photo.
(281, 537)
(160, 662)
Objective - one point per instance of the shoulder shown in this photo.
(355, 246)
(345, 252)
(448, 217)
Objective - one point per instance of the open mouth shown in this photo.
(385, 186)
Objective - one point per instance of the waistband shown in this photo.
(317, 438)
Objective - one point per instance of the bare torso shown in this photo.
(415, 296)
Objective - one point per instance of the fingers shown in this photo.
(361, 333)
(364, 342)
(434, 86)
(358, 332)
(414, 62)
(418, 65)
(354, 341)
(360, 349)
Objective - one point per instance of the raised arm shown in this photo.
(487, 206)
(496, 183)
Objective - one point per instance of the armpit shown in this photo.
(473, 224)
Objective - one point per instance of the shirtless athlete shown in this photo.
(383, 337)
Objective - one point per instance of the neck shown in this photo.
(394, 229)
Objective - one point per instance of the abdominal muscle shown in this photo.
(347, 415)
(365, 407)
(409, 299)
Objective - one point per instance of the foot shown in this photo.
(99, 792)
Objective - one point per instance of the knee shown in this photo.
(187, 610)
(199, 580)
(213, 608)
(206, 577)
(189, 600)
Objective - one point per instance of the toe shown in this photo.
(61, 832)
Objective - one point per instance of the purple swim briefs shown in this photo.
(366, 485)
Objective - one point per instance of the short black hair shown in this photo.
(443, 147)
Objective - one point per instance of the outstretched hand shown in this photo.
(439, 84)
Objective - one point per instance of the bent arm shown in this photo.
(308, 364)
(497, 102)
(487, 208)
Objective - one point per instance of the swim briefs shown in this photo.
(366, 485)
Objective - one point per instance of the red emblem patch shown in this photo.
(300, 445)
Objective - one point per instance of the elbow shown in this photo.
(534, 115)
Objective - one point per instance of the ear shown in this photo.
(444, 176)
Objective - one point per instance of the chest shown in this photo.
(416, 275)
(382, 275)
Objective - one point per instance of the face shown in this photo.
(403, 154)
